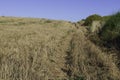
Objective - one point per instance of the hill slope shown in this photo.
(40, 49)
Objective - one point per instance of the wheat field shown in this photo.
(42, 49)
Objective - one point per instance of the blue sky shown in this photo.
(71, 10)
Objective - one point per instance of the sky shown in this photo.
(71, 10)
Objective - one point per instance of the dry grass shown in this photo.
(87, 61)
(53, 50)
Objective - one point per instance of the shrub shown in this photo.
(105, 18)
(110, 33)
(81, 22)
(91, 18)
(111, 29)
(48, 21)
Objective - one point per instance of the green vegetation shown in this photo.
(91, 18)
(110, 33)
(48, 21)
(105, 18)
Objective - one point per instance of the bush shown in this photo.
(91, 18)
(111, 29)
(48, 21)
(110, 33)
(81, 22)
(105, 18)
